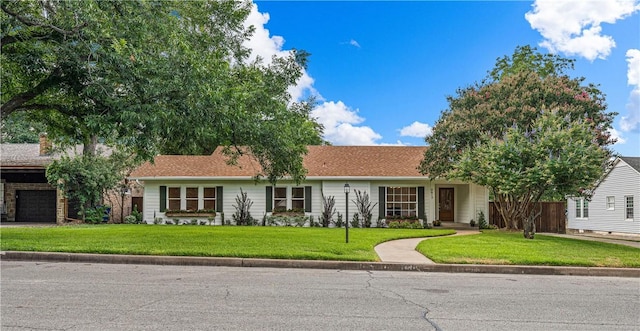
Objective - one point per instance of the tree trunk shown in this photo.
(89, 150)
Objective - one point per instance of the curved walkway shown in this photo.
(404, 250)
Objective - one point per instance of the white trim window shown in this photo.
(173, 198)
(279, 198)
(611, 203)
(209, 198)
(628, 201)
(192, 198)
(582, 208)
(297, 198)
(401, 202)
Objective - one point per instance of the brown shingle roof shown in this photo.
(321, 161)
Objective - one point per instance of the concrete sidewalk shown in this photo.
(404, 250)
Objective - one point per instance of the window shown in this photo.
(297, 198)
(401, 202)
(279, 198)
(611, 203)
(582, 208)
(209, 198)
(629, 207)
(174, 198)
(192, 198)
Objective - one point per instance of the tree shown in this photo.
(557, 154)
(17, 128)
(86, 178)
(514, 95)
(152, 77)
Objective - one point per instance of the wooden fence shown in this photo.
(552, 219)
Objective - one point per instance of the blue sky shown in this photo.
(381, 71)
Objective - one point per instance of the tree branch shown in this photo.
(27, 22)
(17, 102)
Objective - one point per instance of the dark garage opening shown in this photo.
(36, 206)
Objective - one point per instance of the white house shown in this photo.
(387, 173)
(614, 205)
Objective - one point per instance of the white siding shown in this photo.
(463, 204)
(481, 201)
(621, 181)
(468, 199)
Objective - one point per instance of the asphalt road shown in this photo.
(73, 296)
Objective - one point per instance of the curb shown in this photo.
(316, 264)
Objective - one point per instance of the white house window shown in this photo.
(192, 198)
(209, 198)
(611, 203)
(582, 208)
(297, 198)
(279, 198)
(174, 198)
(401, 202)
(629, 207)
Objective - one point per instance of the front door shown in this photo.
(445, 205)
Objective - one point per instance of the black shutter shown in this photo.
(219, 199)
(269, 194)
(381, 201)
(421, 203)
(163, 198)
(307, 199)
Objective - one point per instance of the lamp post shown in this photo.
(346, 195)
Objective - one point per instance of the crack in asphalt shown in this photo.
(403, 298)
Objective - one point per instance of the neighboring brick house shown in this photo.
(387, 173)
(25, 194)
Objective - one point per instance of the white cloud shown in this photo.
(339, 123)
(633, 75)
(264, 46)
(416, 129)
(631, 121)
(615, 134)
(573, 26)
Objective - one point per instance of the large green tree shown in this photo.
(149, 77)
(514, 95)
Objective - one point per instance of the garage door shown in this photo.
(36, 206)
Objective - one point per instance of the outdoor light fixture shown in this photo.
(346, 198)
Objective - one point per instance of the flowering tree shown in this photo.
(510, 100)
(556, 154)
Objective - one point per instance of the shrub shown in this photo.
(328, 210)
(135, 213)
(130, 220)
(404, 225)
(97, 214)
(482, 222)
(339, 223)
(355, 221)
(157, 220)
(365, 208)
(193, 222)
(242, 216)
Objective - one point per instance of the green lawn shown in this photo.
(227, 241)
(500, 247)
